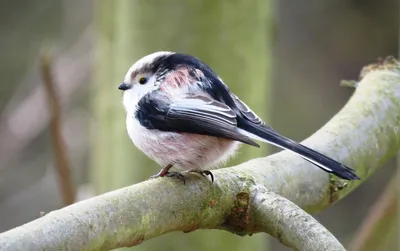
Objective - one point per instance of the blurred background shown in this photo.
(284, 58)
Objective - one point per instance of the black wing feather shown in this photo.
(324, 162)
(193, 114)
(250, 122)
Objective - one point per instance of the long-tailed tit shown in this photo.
(181, 114)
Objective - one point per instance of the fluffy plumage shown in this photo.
(179, 112)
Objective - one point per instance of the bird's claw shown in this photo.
(164, 173)
(177, 175)
(153, 176)
(202, 172)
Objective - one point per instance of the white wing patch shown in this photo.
(246, 111)
(205, 107)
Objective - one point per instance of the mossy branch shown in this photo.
(363, 135)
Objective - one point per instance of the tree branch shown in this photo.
(293, 227)
(363, 135)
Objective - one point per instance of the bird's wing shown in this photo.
(246, 111)
(251, 125)
(192, 114)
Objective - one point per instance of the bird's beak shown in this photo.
(124, 86)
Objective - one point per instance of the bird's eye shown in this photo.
(142, 80)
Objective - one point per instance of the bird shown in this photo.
(181, 114)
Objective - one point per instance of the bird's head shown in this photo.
(150, 71)
(142, 77)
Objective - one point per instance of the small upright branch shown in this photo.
(382, 213)
(60, 152)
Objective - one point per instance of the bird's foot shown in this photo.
(165, 173)
(177, 175)
(202, 172)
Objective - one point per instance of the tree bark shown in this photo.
(291, 225)
(364, 134)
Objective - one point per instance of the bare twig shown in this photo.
(382, 213)
(348, 83)
(60, 151)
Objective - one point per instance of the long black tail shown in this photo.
(325, 163)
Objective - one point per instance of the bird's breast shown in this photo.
(183, 150)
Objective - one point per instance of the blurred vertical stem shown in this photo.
(233, 37)
(397, 188)
(397, 224)
(377, 229)
(61, 161)
(115, 161)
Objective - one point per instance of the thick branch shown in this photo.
(363, 135)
